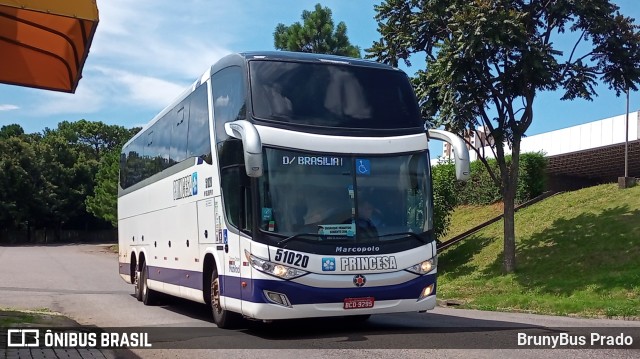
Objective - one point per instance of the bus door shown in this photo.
(245, 242)
(236, 192)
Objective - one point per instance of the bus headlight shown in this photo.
(274, 269)
(424, 267)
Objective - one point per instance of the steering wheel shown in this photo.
(366, 229)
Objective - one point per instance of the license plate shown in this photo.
(358, 303)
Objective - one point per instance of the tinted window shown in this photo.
(228, 98)
(345, 198)
(199, 140)
(162, 140)
(150, 152)
(183, 132)
(123, 169)
(330, 95)
(134, 163)
(179, 134)
(236, 197)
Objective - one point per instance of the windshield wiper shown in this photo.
(295, 236)
(408, 234)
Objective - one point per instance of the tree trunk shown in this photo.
(510, 186)
(509, 260)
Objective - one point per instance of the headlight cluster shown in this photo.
(424, 267)
(274, 269)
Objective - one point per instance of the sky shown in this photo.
(146, 52)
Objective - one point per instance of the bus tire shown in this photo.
(148, 295)
(137, 289)
(224, 319)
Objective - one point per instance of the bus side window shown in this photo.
(199, 142)
(229, 99)
(179, 134)
(236, 197)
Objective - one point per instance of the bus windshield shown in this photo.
(345, 199)
(329, 95)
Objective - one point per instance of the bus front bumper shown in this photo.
(256, 298)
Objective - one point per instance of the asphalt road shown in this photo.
(82, 282)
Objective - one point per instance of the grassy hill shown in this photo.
(578, 253)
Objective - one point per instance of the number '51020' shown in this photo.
(292, 258)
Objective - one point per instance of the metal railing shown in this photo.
(444, 245)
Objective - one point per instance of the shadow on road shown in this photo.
(403, 330)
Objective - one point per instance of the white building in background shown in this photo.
(588, 136)
(476, 139)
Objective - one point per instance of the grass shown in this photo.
(466, 217)
(36, 317)
(578, 254)
(11, 318)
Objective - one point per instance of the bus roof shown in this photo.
(311, 57)
(241, 58)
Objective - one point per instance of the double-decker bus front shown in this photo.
(343, 234)
(340, 217)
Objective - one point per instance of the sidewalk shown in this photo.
(10, 319)
(40, 353)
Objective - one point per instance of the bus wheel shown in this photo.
(223, 318)
(148, 295)
(136, 285)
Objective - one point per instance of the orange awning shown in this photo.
(44, 43)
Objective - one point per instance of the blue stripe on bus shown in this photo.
(303, 294)
(181, 277)
(297, 293)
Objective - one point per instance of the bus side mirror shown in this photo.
(251, 144)
(460, 152)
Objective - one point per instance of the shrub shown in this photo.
(445, 188)
(532, 176)
(480, 189)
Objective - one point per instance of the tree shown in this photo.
(487, 59)
(13, 130)
(18, 178)
(47, 180)
(316, 34)
(25, 200)
(92, 137)
(103, 203)
(68, 174)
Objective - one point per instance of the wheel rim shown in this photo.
(215, 296)
(144, 286)
(136, 282)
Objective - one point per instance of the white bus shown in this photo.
(284, 185)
